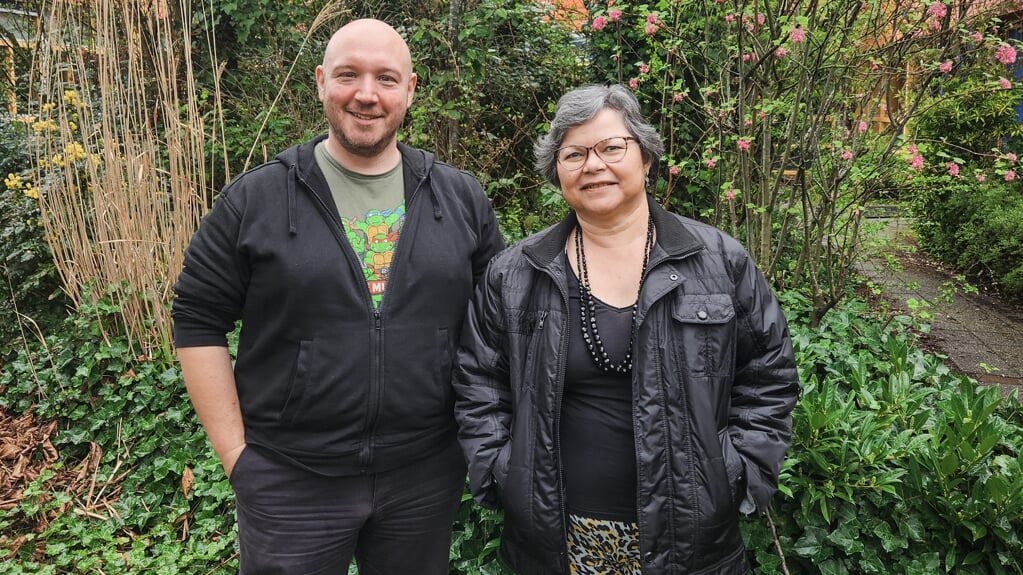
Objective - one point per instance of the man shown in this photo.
(350, 260)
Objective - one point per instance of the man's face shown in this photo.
(366, 86)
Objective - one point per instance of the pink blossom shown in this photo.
(874, 67)
(977, 37)
(863, 126)
(847, 155)
(916, 161)
(780, 52)
(1005, 54)
(749, 56)
(677, 97)
(761, 19)
(599, 22)
(1011, 157)
(937, 10)
(743, 144)
(730, 195)
(1005, 84)
(953, 169)
(911, 149)
(673, 170)
(650, 29)
(711, 163)
(633, 83)
(945, 67)
(614, 15)
(651, 18)
(981, 178)
(747, 122)
(643, 68)
(729, 18)
(1010, 176)
(797, 35)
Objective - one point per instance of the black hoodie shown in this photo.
(324, 379)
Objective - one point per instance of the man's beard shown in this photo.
(363, 149)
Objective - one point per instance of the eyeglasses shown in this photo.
(609, 150)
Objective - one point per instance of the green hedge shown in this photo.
(974, 226)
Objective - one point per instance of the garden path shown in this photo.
(980, 333)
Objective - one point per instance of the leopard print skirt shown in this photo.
(599, 547)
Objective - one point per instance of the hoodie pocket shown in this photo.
(328, 387)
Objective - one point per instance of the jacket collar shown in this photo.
(672, 236)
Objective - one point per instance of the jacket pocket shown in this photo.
(705, 332)
(526, 328)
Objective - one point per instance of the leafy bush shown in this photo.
(29, 279)
(120, 498)
(897, 465)
(975, 223)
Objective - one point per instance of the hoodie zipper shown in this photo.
(376, 381)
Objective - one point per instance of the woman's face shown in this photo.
(598, 188)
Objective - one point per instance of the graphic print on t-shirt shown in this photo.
(374, 238)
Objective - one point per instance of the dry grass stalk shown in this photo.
(119, 214)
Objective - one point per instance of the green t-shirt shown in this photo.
(372, 210)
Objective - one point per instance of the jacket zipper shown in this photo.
(635, 418)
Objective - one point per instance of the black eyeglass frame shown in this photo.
(593, 148)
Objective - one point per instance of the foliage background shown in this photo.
(898, 465)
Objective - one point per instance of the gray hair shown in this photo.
(583, 104)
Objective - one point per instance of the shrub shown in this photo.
(897, 465)
(29, 279)
(120, 497)
(974, 223)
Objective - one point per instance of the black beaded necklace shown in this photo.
(588, 306)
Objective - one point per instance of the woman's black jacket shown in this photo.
(714, 383)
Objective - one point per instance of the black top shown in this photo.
(598, 451)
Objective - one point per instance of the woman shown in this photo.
(625, 377)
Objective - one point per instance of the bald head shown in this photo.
(370, 35)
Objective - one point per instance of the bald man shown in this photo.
(350, 260)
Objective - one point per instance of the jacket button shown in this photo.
(701, 314)
(649, 556)
(673, 277)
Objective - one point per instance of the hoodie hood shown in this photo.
(303, 169)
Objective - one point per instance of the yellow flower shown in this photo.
(72, 126)
(57, 160)
(13, 182)
(44, 126)
(32, 192)
(74, 151)
(70, 97)
(49, 107)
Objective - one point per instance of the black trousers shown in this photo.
(398, 522)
